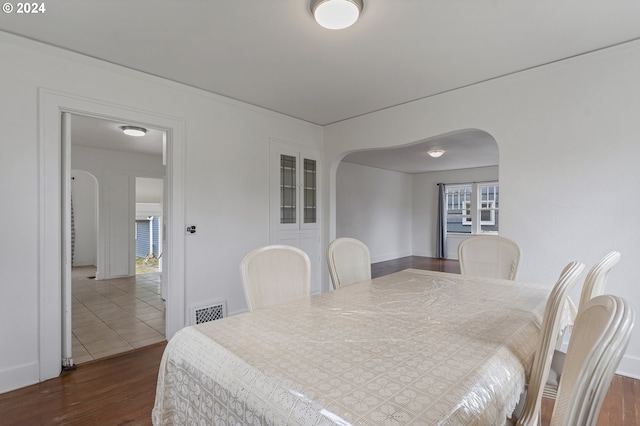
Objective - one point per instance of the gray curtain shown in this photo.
(441, 233)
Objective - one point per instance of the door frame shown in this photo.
(50, 229)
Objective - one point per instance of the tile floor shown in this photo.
(114, 316)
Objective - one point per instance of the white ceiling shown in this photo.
(105, 134)
(272, 54)
(99, 133)
(463, 150)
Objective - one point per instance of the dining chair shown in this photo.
(594, 285)
(349, 261)
(489, 256)
(275, 274)
(600, 336)
(528, 410)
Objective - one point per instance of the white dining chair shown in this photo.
(600, 336)
(528, 411)
(490, 256)
(275, 274)
(594, 285)
(349, 261)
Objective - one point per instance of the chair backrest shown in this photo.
(600, 337)
(546, 343)
(489, 256)
(349, 261)
(275, 274)
(596, 280)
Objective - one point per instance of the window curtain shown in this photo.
(441, 233)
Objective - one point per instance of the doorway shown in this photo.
(148, 225)
(113, 309)
(55, 316)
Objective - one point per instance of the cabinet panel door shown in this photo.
(294, 203)
(309, 192)
(310, 243)
(284, 188)
(294, 187)
(288, 187)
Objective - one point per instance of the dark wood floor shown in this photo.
(121, 390)
(111, 391)
(416, 262)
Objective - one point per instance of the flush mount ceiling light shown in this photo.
(134, 131)
(435, 153)
(336, 14)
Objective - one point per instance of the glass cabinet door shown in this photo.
(294, 188)
(288, 189)
(310, 190)
(295, 206)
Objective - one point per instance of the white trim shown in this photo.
(51, 105)
(18, 376)
(629, 366)
(67, 259)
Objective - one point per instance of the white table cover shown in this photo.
(415, 347)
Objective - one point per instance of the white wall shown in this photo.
(84, 193)
(425, 204)
(568, 139)
(374, 206)
(225, 191)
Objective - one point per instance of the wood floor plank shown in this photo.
(113, 391)
(630, 397)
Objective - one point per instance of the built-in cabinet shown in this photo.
(294, 202)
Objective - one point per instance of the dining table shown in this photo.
(414, 347)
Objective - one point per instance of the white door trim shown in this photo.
(67, 341)
(51, 106)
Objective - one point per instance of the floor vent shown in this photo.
(210, 311)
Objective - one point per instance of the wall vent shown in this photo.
(209, 311)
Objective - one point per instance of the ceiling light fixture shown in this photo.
(134, 131)
(435, 153)
(336, 14)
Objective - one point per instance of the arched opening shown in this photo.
(388, 197)
(84, 219)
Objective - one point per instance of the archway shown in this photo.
(387, 197)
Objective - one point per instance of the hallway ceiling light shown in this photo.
(435, 153)
(336, 14)
(134, 131)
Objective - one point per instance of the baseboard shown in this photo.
(385, 257)
(19, 377)
(423, 254)
(629, 367)
(82, 262)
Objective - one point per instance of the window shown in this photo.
(463, 217)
